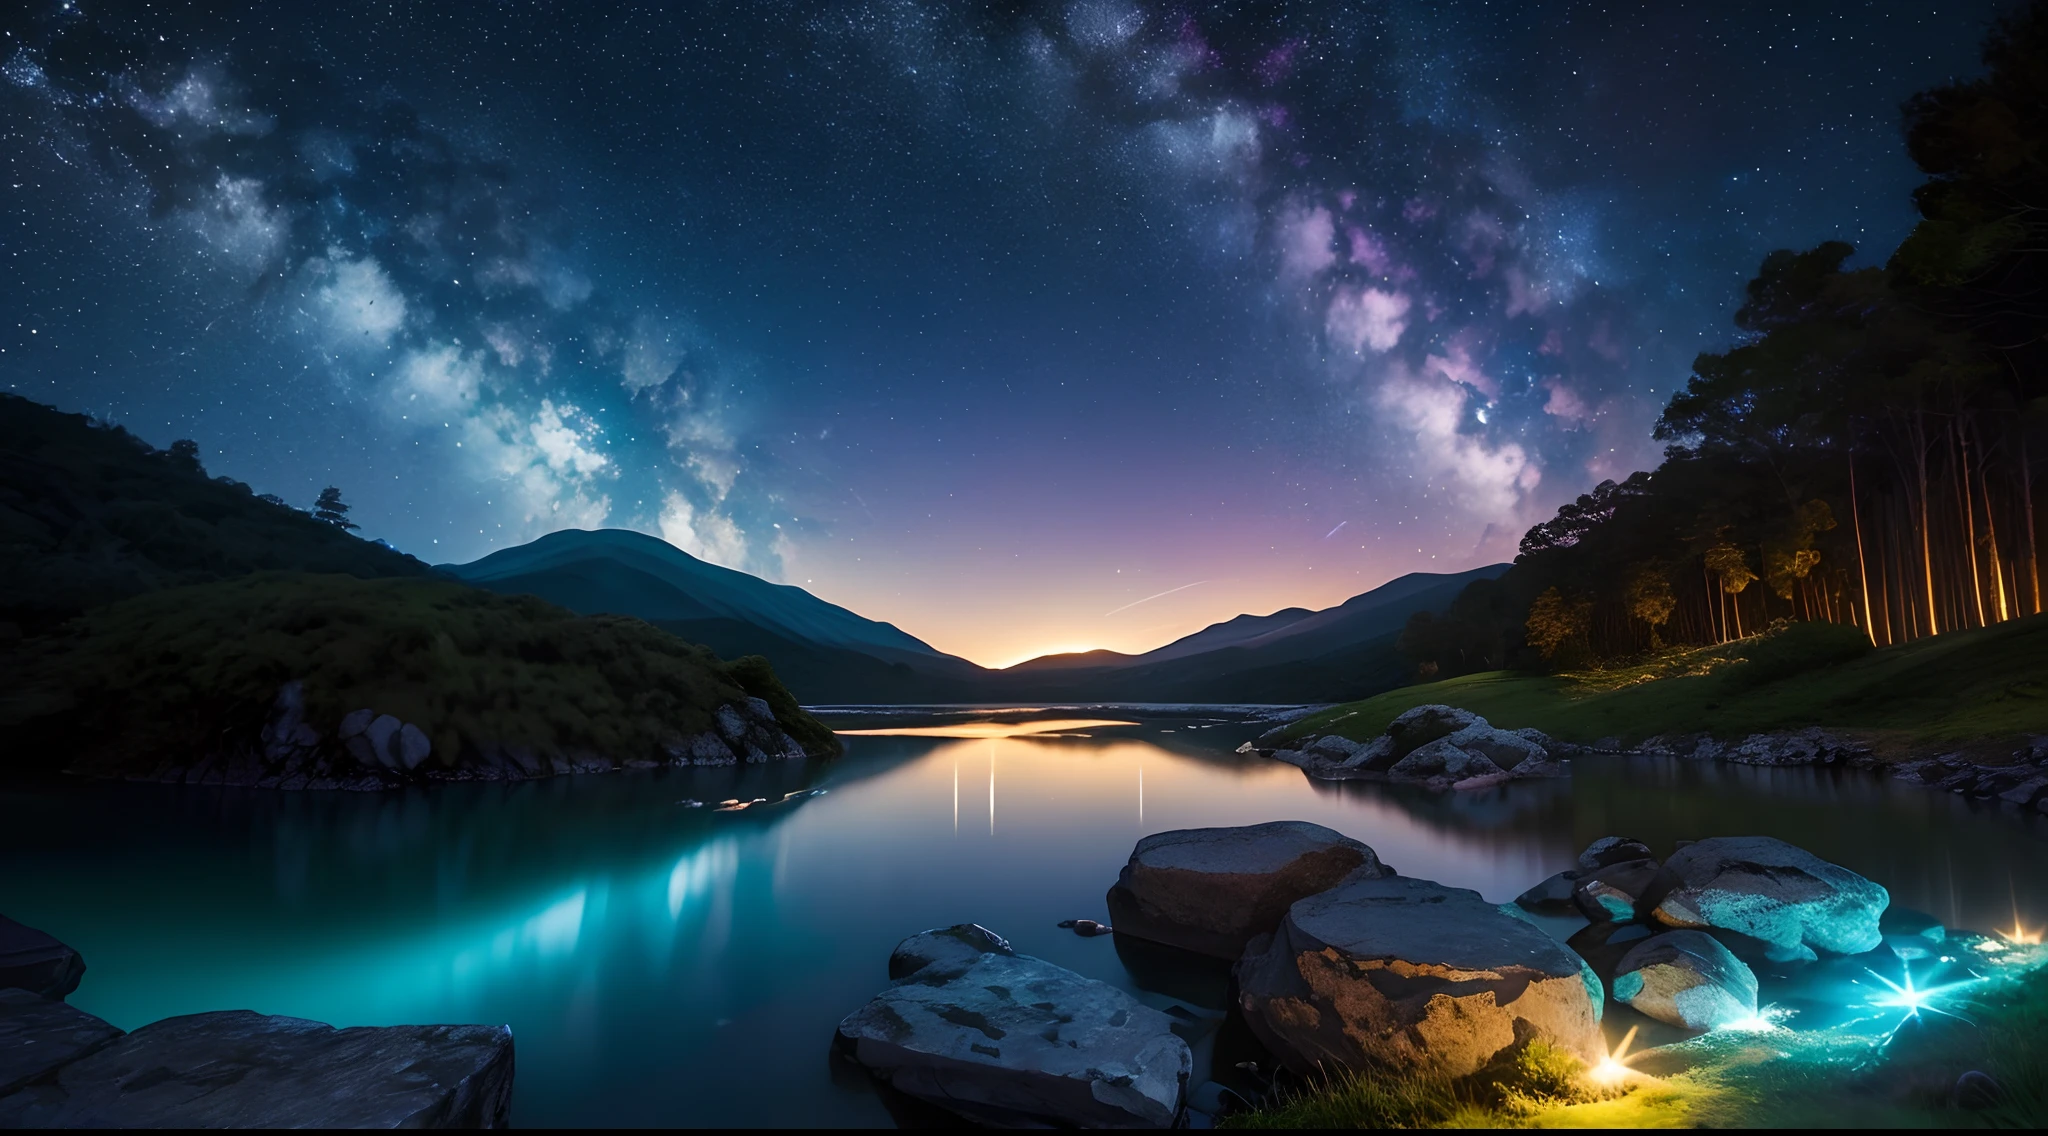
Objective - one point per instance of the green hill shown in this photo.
(181, 675)
(150, 616)
(90, 514)
(1968, 685)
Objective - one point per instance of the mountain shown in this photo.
(821, 650)
(828, 654)
(1292, 655)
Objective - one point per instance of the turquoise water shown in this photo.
(666, 965)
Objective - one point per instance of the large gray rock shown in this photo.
(1612, 850)
(1502, 747)
(36, 962)
(1615, 892)
(1686, 979)
(1772, 891)
(1211, 890)
(1335, 748)
(1553, 896)
(39, 1036)
(237, 1069)
(1424, 724)
(1412, 975)
(1013, 1041)
(1442, 758)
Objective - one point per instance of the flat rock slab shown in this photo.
(1769, 890)
(1410, 974)
(237, 1069)
(39, 1036)
(1212, 890)
(36, 962)
(1012, 1041)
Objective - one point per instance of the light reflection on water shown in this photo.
(668, 965)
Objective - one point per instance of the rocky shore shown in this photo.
(373, 750)
(1438, 747)
(1445, 748)
(1339, 962)
(61, 1067)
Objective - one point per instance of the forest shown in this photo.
(1864, 454)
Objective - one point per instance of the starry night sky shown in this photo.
(986, 320)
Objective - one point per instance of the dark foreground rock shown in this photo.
(36, 962)
(1409, 974)
(1009, 1040)
(1686, 979)
(1211, 890)
(1771, 891)
(39, 1036)
(237, 1069)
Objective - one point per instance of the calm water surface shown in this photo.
(666, 965)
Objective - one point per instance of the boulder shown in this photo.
(36, 962)
(1557, 750)
(1810, 746)
(1374, 756)
(1612, 850)
(1603, 945)
(731, 723)
(1412, 975)
(237, 1069)
(1012, 1041)
(1424, 724)
(1441, 758)
(1686, 979)
(411, 747)
(1211, 890)
(2026, 792)
(1614, 893)
(1769, 890)
(1553, 896)
(1334, 748)
(1501, 747)
(39, 1036)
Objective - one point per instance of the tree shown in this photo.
(1650, 599)
(332, 509)
(184, 454)
(1557, 627)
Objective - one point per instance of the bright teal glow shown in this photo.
(1907, 996)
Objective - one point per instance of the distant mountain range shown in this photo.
(827, 654)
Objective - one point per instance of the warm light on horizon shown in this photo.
(991, 729)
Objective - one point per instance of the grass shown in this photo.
(1531, 1080)
(1834, 1078)
(176, 673)
(1985, 683)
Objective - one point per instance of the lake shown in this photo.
(667, 965)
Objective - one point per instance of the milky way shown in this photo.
(984, 320)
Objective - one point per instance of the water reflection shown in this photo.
(665, 965)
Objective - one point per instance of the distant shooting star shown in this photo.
(1149, 599)
(1333, 532)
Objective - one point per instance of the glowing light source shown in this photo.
(1766, 1020)
(2019, 936)
(1906, 995)
(1613, 1069)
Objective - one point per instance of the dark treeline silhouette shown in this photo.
(1864, 455)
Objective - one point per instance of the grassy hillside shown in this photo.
(90, 514)
(1986, 683)
(177, 673)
